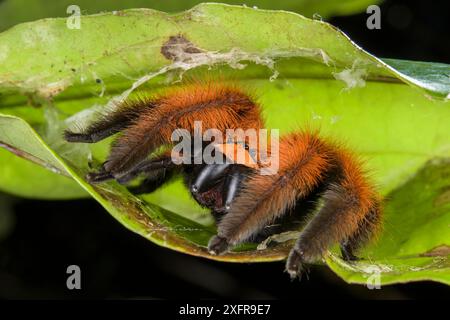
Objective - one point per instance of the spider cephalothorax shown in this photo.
(244, 202)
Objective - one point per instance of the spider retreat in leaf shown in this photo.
(317, 181)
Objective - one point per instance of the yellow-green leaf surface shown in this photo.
(394, 113)
(12, 12)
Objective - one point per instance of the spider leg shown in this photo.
(146, 167)
(96, 177)
(265, 198)
(286, 222)
(366, 229)
(349, 212)
(185, 111)
(148, 124)
(293, 219)
(350, 215)
(157, 172)
(160, 176)
(108, 124)
(347, 252)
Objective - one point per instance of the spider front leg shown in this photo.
(148, 167)
(108, 124)
(153, 181)
(156, 170)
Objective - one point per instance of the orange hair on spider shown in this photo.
(306, 161)
(218, 106)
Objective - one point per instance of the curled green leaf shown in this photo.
(394, 113)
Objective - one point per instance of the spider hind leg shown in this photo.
(366, 229)
(350, 216)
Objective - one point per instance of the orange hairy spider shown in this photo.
(246, 204)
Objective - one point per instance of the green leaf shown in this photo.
(415, 242)
(11, 11)
(27, 179)
(394, 113)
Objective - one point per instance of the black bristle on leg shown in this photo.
(319, 233)
(298, 267)
(148, 168)
(97, 177)
(362, 235)
(149, 185)
(295, 264)
(218, 245)
(347, 252)
(94, 133)
(109, 124)
(77, 137)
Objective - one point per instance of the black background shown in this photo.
(47, 236)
